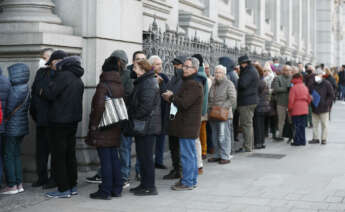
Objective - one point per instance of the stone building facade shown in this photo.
(300, 30)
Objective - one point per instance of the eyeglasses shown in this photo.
(187, 67)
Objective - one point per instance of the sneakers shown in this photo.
(314, 141)
(95, 179)
(20, 188)
(100, 195)
(58, 194)
(74, 191)
(146, 192)
(9, 190)
(125, 184)
(172, 175)
(180, 187)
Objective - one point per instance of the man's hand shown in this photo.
(159, 78)
(166, 96)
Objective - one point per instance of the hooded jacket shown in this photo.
(299, 98)
(5, 86)
(19, 97)
(230, 69)
(65, 93)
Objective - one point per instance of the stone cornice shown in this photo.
(193, 3)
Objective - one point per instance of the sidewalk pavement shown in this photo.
(278, 178)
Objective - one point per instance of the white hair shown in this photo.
(223, 68)
(153, 58)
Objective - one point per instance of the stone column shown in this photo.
(212, 13)
(260, 16)
(26, 27)
(240, 13)
(306, 28)
(276, 20)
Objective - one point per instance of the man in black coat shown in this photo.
(247, 99)
(39, 113)
(65, 95)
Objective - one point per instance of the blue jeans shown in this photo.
(125, 158)
(189, 162)
(160, 144)
(12, 160)
(110, 169)
(221, 137)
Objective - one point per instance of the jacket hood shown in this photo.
(19, 74)
(297, 80)
(72, 64)
(228, 63)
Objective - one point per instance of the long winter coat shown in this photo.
(189, 101)
(144, 102)
(65, 93)
(264, 98)
(111, 136)
(248, 86)
(5, 86)
(18, 123)
(299, 98)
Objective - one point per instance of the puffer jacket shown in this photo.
(230, 69)
(299, 98)
(18, 123)
(65, 93)
(145, 102)
(110, 136)
(264, 98)
(5, 86)
(223, 94)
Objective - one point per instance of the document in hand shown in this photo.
(316, 98)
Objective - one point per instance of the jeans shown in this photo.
(12, 160)
(300, 124)
(246, 122)
(144, 149)
(188, 162)
(110, 169)
(42, 153)
(125, 158)
(160, 144)
(64, 156)
(221, 139)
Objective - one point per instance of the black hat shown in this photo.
(243, 59)
(199, 57)
(59, 54)
(179, 60)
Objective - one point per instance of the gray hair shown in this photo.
(153, 58)
(195, 62)
(223, 68)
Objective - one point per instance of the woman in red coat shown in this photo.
(299, 100)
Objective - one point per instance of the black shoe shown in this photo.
(51, 184)
(100, 195)
(314, 141)
(115, 195)
(133, 190)
(95, 179)
(160, 166)
(279, 139)
(146, 192)
(172, 175)
(38, 183)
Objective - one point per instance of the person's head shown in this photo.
(243, 61)
(310, 69)
(259, 69)
(294, 70)
(286, 70)
(275, 61)
(122, 55)
(156, 63)
(178, 62)
(207, 69)
(220, 73)
(56, 57)
(319, 75)
(300, 67)
(190, 66)
(200, 58)
(138, 55)
(111, 64)
(322, 66)
(342, 68)
(297, 76)
(46, 53)
(327, 71)
(142, 67)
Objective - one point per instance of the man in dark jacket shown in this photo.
(65, 94)
(230, 68)
(186, 125)
(39, 113)
(247, 99)
(324, 90)
(4, 92)
(174, 85)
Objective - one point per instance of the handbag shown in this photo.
(115, 110)
(218, 113)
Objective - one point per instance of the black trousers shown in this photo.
(271, 125)
(63, 156)
(174, 147)
(209, 136)
(236, 124)
(144, 150)
(259, 129)
(42, 153)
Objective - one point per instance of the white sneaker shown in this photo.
(9, 190)
(126, 185)
(20, 188)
